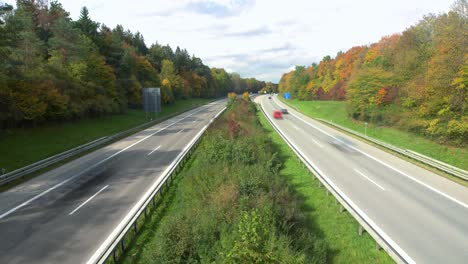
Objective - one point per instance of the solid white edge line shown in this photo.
(387, 165)
(91, 167)
(369, 179)
(153, 150)
(33, 199)
(180, 131)
(97, 254)
(361, 213)
(89, 199)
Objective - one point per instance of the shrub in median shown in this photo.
(232, 206)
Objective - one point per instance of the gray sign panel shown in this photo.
(152, 100)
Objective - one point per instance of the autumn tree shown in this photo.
(54, 68)
(415, 80)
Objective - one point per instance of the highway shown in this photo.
(64, 215)
(424, 214)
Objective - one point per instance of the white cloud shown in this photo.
(260, 38)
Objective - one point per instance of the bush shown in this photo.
(458, 130)
(232, 206)
(246, 96)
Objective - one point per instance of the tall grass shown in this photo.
(231, 205)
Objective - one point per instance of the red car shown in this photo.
(277, 114)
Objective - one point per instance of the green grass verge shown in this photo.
(340, 230)
(336, 111)
(20, 147)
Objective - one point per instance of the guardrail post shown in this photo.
(135, 226)
(341, 208)
(122, 245)
(319, 183)
(377, 246)
(114, 257)
(360, 230)
(328, 192)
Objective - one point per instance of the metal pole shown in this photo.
(341, 208)
(377, 246)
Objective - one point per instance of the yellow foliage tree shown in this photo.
(232, 96)
(246, 96)
(166, 92)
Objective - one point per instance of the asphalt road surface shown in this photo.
(64, 215)
(425, 214)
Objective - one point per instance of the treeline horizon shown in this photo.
(416, 80)
(56, 69)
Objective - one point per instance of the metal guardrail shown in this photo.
(110, 245)
(13, 175)
(382, 239)
(449, 169)
(24, 171)
(460, 173)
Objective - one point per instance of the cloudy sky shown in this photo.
(260, 38)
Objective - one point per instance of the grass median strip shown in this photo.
(229, 204)
(339, 230)
(244, 197)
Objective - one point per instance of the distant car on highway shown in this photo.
(277, 114)
(284, 111)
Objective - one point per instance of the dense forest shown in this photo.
(416, 80)
(54, 68)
